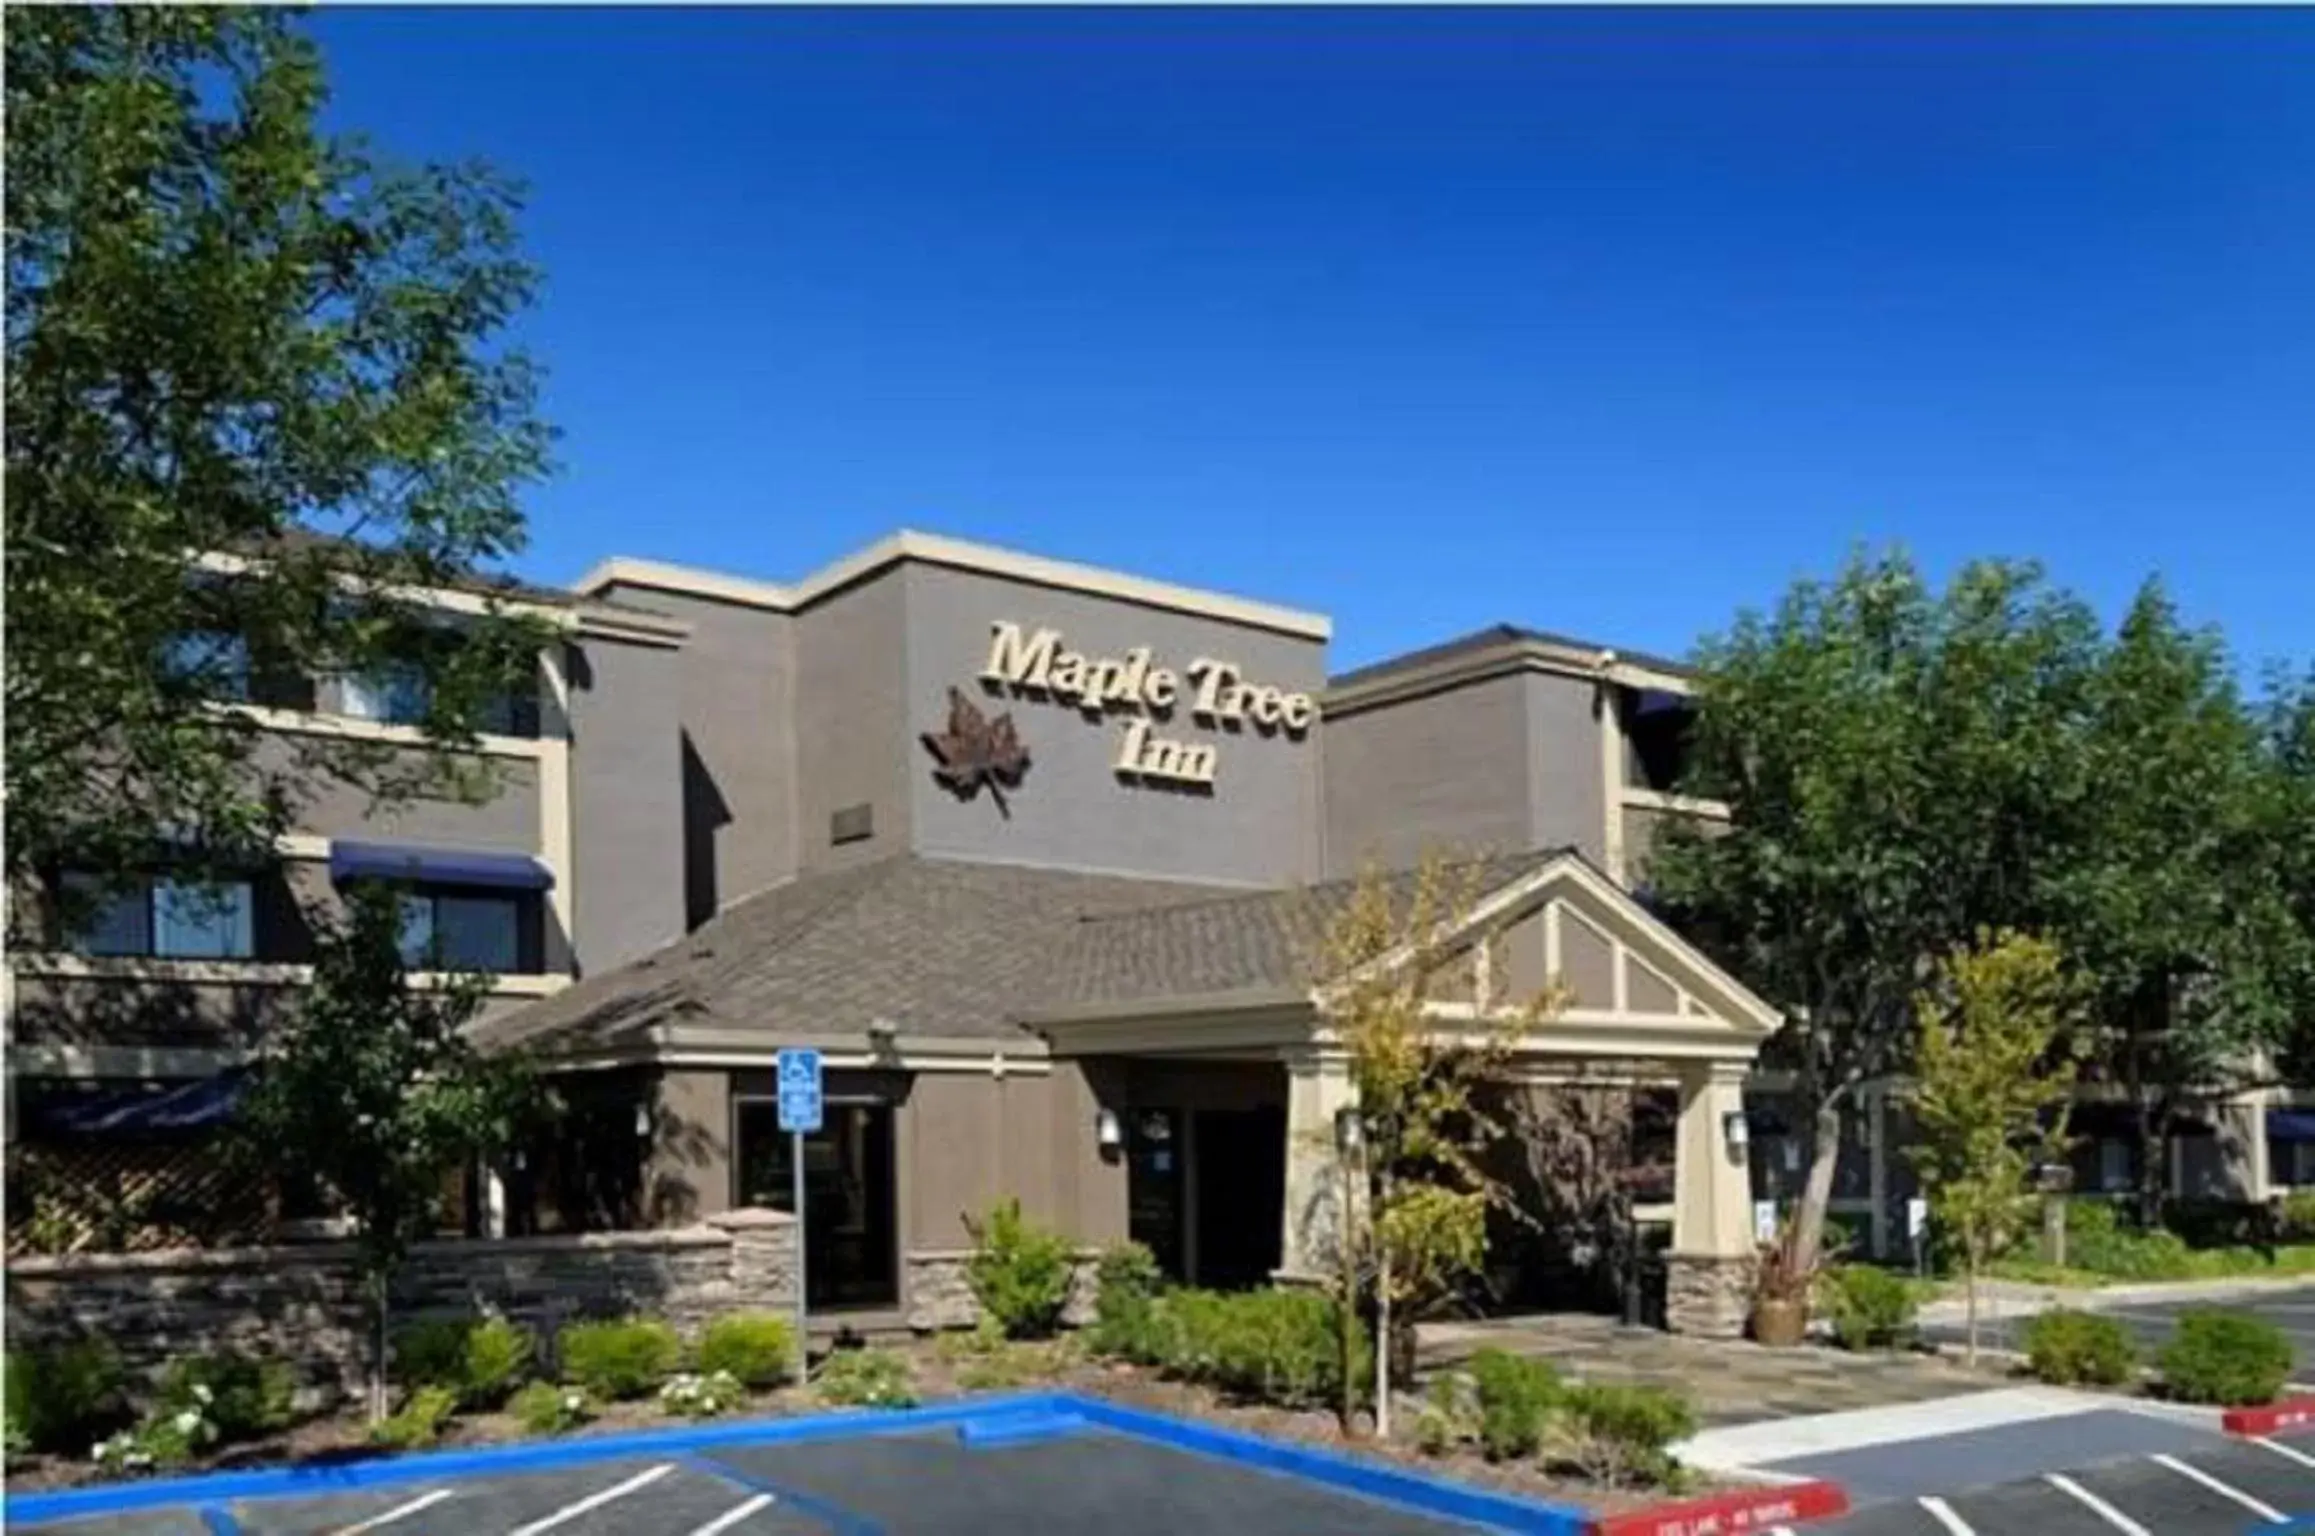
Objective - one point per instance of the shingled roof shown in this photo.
(939, 947)
(1257, 941)
(944, 948)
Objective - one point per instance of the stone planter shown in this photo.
(1780, 1322)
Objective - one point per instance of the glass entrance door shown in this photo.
(850, 1249)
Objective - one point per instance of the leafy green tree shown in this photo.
(372, 1089)
(231, 334)
(2179, 903)
(1903, 767)
(1418, 1186)
(1994, 1077)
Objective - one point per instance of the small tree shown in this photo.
(1995, 1073)
(1414, 1221)
(373, 1089)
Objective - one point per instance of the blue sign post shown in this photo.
(800, 1108)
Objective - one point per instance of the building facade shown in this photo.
(1029, 850)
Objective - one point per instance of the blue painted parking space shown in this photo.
(1011, 1464)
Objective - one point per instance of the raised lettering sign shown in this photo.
(1038, 661)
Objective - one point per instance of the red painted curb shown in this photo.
(2290, 1413)
(1726, 1514)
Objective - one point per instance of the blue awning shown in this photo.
(2291, 1124)
(439, 866)
(186, 1107)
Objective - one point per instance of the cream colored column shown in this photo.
(2242, 1145)
(1612, 778)
(554, 770)
(1712, 1186)
(1318, 1084)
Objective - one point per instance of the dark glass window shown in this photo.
(453, 928)
(217, 663)
(162, 918)
(851, 1246)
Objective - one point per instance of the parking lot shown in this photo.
(1036, 1471)
(2102, 1472)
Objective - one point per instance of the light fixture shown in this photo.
(1349, 1130)
(642, 1120)
(1108, 1134)
(1736, 1129)
(882, 1033)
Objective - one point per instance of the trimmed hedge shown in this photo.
(1869, 1308)
(758, 1349)
(2229, 1358)
(1516, 1398)
(2067, 1348)
(481, 1359)
(1275, 1346)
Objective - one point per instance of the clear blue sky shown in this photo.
(1602, 322)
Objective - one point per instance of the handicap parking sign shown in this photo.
(799, 1074)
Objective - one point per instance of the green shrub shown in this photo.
(1019, 1272)
(482, 1359)
(243, 1395)
(619, 1360)
(1625, 1433)
(61, 1396)
(2228, 1358)
(1869, 1308)
(2100, 1241)
(544, 1408)
(1449, 1416)
(698, 1395)
(2067, 1348)
(1516, 1398)
(866, 1378)
(2298, 1216)
(1126, 1283)
(160, 1441)
(418, 1422)
(1273, 1346)
(757, 1349)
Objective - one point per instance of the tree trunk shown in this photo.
(379, 1306)
(1808, 1234)
(1971, 1251)
(1385, 1342)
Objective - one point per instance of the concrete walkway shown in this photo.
(1730, 1381)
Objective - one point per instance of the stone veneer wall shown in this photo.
(939, 1297)
(1706, 1295)
(301, 1303)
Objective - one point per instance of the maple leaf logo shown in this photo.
(976, 750)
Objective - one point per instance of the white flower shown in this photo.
(201, 1391)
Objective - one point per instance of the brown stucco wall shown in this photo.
(1257, 826)
(851, 720)
(736, 720)
(1446, 770)
(1587, 964)
(506, 821)
(687, 1175)
(626, 802)
(1567, 783)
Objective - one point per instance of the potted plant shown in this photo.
(1780, 1298)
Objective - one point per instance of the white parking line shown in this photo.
(2280, 1449)
(398, 1512)
(2095, 1504)
(594, 1500)
(1943, 1514)
(733, 1516)
(2263, 1511)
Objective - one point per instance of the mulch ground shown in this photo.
(942, 1371)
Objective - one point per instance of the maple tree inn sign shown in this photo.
(1215, 693)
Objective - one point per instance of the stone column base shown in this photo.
(1708, 1295)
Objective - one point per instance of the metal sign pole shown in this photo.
(803, 1309)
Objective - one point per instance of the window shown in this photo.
(218, 662)
(463, 930)
(168, 919)
(395, 695)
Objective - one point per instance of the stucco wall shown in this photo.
(508, 820)
(1445, 771)
(1567, 782)
(1256, 826)
(737, 675)
(851, 721)
(626, 802)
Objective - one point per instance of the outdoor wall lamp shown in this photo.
(642, 1120)
(1108, 1134)
(1736, 1129)
(882, 1033)
(1349, 1131)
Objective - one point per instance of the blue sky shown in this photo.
(1603, 322)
